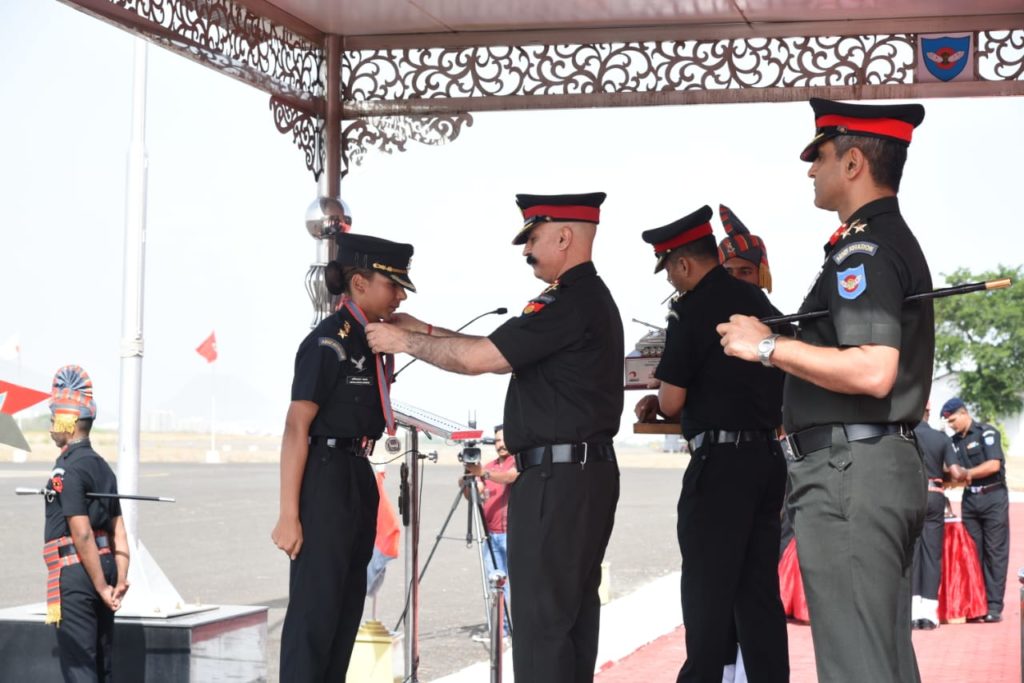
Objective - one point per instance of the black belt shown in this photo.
(357, 445)
(562, 453)
(101, 542)
(985, 488)
(716, 436)
(818, 438)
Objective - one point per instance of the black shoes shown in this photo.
(924, 625)
(990, 618)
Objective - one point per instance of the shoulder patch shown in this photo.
(852, 282)
(868, 248)
(335, 345)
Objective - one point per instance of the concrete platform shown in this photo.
(222, 643)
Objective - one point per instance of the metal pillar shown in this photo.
(412, 559)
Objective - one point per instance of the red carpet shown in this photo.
(952, 653)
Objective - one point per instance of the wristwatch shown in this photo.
(765, 349)
(486, 476)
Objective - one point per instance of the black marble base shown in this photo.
(226, 643)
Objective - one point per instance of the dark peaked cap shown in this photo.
(560, 208)
(689, 228)
(886, 121)
(384, 256)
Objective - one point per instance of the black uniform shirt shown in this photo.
(722, 392)
(936, 450)
(979, 443)
(80, 470)
(863, 282)
(335, 369)
(566, 352)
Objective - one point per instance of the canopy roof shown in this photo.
(388, 71)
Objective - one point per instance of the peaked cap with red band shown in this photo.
(689, 228)
(886, 121)
(391, 259)
(739, 243)
(558, 208)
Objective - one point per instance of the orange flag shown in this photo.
(208, 349)
(388, 530)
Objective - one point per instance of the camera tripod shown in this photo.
(476, 532)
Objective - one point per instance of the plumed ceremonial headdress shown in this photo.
(71, 398)
(740, 243)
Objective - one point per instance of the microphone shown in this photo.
(499, 311)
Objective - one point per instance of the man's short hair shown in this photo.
(702, 249)
(84, 424)
(499, 428)
(886, 158)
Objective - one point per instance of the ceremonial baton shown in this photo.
(23, 491)
(934, 294)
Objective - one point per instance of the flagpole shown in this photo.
(211, 455)
(132, 296)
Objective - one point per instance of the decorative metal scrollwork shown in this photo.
(1001, 55)
(307, 133)
(235, 40)
(390, 134)
(389, 75)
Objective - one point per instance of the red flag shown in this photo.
(14, 398)
(208, 349)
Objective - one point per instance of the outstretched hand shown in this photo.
(386, 338)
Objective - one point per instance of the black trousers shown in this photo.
(728, 532)
(85, 634)
(927, 571)
(560, 518)
(327, 586)
(986, 517)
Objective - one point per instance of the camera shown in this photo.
(470, 454)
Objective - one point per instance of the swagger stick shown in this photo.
(934, 294)
(23, 491)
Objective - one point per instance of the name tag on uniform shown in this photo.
(361, 381)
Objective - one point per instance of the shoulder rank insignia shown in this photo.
(852, 282)
(538, 303)
(345, 329)
(335, 345)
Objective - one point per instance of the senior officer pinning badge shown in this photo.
(852, 282)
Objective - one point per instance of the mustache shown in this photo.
(530, 260)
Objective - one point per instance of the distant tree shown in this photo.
(981, 337)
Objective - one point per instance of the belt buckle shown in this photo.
(586, 447)
(790, 449)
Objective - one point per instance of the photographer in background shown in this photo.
(494, 480)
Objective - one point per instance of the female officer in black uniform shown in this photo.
(329, 498)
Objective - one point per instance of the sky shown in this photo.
(227, 249)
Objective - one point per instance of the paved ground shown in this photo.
(214, 544)
(953, 653)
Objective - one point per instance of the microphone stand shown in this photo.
(498, 311)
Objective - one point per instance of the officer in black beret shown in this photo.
(986, 504)
(857, 381)
(732, 490)
(340, 406)
(562, 410)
